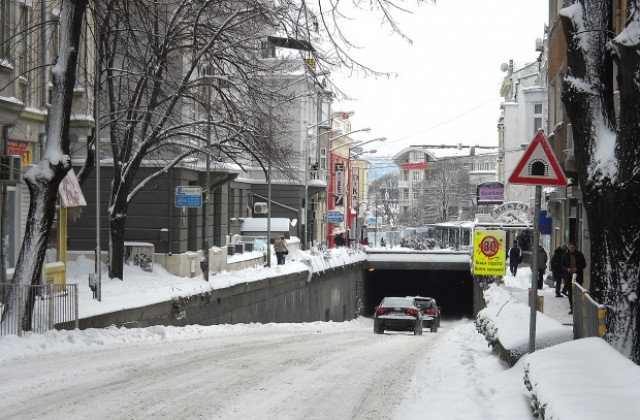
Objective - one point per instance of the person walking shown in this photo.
(280, 248)
(542, 266)
(515, 257)
(573, 263)
(556, 269)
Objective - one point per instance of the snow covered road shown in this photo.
(311, 373)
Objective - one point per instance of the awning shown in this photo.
(70, 192)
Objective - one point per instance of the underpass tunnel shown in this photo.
(452, 290)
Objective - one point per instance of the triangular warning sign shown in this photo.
(538, 165)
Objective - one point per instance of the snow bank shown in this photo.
(505, 323)
(581, 380)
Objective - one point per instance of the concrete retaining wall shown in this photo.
(331, 295)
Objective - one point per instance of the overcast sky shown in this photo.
(447, 89)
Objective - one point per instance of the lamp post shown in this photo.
(269, 174)
(205, 198)
(304, 224)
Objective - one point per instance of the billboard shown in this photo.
(490, 193)
(489, 253)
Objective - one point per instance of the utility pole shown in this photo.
(205, 234)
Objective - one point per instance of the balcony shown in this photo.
(317, 178)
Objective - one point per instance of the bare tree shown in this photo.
(385, 194)
(447, 187)
(44, 179)
(157, 57)
(151, 53)
(608, 156)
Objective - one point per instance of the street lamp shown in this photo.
(358, 143)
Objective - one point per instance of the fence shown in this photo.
(588, 315)
(55, 306)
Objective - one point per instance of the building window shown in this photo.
(483, 166)
(537, 117)
(23, 41)
(323, 158)
(417, 176)
(4, 29)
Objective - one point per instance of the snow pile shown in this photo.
(583, 379)
(505, 323)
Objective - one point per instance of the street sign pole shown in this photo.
(538, 166)
(533, 296)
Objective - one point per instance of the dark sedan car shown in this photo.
(430, 312)
(397, 314)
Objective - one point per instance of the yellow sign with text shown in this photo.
(489, 253)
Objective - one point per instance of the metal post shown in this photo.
(96, 140)
(205, 228)
(533, 296)
(269, 213)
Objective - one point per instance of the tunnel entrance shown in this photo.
(452, 290)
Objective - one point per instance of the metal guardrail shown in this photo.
(55, 306)
(589, 316)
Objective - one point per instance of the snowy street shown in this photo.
(274, 371)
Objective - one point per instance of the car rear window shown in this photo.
(424, 304)
(391, 302)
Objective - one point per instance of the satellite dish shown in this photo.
(504, 67)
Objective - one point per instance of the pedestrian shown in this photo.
(280, 248)
(339, 239)
(383, 243)
(556, 269)
(573, 263)
(542, 266)
(515, 258)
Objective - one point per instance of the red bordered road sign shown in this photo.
(538, 165)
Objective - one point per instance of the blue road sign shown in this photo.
(188, 197)
(335, 216)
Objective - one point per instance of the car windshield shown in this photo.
(397, 302)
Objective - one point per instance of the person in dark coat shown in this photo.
(515, 257)
(542, 266)
(556, 268)
(573, 263)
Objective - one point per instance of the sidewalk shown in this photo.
(554, 307)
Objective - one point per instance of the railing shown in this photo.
(54, 306)
(588, 315)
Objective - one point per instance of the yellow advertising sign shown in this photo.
(489, 253)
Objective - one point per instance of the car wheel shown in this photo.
(377, 329)
(434, 328)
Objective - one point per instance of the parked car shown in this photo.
(397, 314)
(430, 312)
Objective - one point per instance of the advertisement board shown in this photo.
(489, 253)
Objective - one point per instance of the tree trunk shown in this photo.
(609, 181)
(117, 224)
(44, 179)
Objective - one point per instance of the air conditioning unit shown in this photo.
(260, 208)
(10, 169)
(539, 44)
